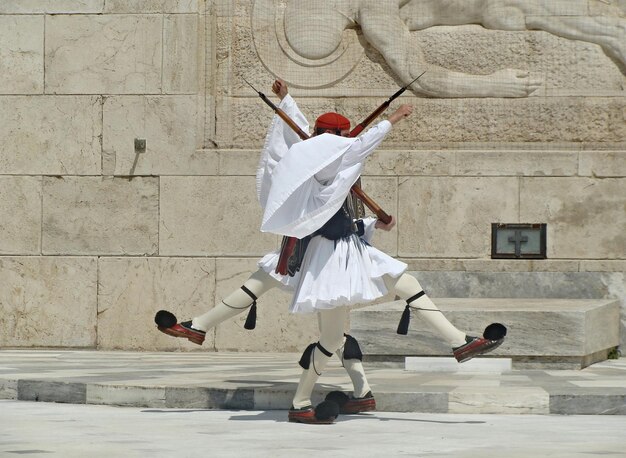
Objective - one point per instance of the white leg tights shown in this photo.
(236, 302)
(259, 283)
(354, 368)
(406, 286)
(332, 325)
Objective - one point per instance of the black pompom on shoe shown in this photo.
(495, 331)
(351, 405)
(165, 319)
(167, 324)
(492, 338)
(338, 397)
(327, 411)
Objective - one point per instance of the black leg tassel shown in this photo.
(403, 326)
(251, 319)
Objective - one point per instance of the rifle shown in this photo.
(288, 244)
(290, 122)
(379, 212)
(378, 111)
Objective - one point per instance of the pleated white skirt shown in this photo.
(336, 273)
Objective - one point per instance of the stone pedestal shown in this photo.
(548, 333)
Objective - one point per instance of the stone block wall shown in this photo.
(95, 235)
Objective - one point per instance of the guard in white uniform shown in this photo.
(304, 189)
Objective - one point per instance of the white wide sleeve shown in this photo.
(280, 137)
(312, 180)
(358, 151)
(369, 224)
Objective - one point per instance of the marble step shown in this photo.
(542, 333)
(442, 364)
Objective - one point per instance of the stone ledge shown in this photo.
(547, 333)
(475, 365)
(267, 381)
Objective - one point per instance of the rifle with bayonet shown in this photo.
(379, 212)
(378, 111)
(288, 244)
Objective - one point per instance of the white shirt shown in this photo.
(301, 184)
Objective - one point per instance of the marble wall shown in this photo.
(96, 235)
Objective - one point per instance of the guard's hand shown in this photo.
(402, 112)
(385, 227)
(280, 88)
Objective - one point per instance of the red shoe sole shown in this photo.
(308, 417)
(199, 340)
(478, 347)
(311, 421)
(358, 405)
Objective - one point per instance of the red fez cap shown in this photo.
(332, 121)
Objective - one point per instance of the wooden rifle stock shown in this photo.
(287, 247)
(367, 121)
(290, 122)
(369, 203)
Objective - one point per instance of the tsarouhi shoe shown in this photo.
(492, 338)
(166, 323)
(351, 405)
(324, 414)
(357, 405)
(475, 346)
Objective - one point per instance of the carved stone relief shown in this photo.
(313, 44)
(299, 66)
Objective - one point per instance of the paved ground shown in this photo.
(69, 430)
(267, 382)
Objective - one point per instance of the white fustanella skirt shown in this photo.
(336, 273)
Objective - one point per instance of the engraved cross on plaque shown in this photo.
(518, 239)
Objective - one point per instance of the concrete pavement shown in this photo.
(69, 430)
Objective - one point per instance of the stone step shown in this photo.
(542, 333)
(267, 381)
(441, 364)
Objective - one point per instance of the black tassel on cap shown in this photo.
(251, 319)
(403, 326)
